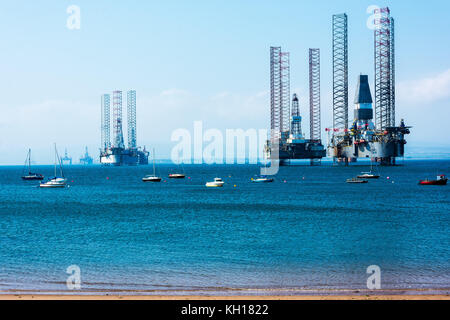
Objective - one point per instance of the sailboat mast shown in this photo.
(154, 171)
(55, 160)
(29, 160)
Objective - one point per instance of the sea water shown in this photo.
(308, 231)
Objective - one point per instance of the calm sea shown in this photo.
(308, 231)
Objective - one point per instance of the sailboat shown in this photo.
(31, 175)
(369, 175)
(56, 182)
(263, 178)
(153, 177)
(178, 175)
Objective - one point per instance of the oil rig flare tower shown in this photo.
(286, 139)
(381, 141)
(116, 153)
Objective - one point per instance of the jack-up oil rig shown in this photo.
(382, 141)
(115, 153)
(287, 139)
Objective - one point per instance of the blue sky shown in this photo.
(198, 60)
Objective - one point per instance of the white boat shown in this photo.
(55, 182)
(152, 177)
(368, 175)
(262, 180)
(176, 176)
(217, 183)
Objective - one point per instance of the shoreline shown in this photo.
(342, 294)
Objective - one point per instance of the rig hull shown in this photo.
(123, 157)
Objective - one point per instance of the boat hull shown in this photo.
(357, 181)
(434, 183)
(32, 178)
(215, 184)
(368, 177)
(52, 185)
(176, 176)
(262, 180)
(151, 179)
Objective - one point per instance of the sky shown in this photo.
(199, 61)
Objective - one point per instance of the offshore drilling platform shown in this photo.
(287, 141)
(382, 141)
(115, 153)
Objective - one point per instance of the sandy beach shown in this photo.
(242, 298)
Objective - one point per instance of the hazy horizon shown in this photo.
(205, 61)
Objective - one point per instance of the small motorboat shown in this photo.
(176, 176)
(217, 183)
(357, 180)
(262, 180)
(441, 180)
(368, 175)
(54, 183)
(151, 178)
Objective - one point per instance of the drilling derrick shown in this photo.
(314, 94)
(392, 73)
(340, 76)
(314, 98)
(280, 93)
(275, 92)
(383, 64)
(117, 120)
(106, 121)
(296, 119)
(131, 117)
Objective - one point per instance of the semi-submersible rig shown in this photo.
(115, 153)
(383, 141)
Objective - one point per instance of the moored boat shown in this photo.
(217, 183)
(152, 177)
(356, 180)
(176, 176)
(55, 182)
(441, 180)
(368, 175)
(262, 180)
(31, 176)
